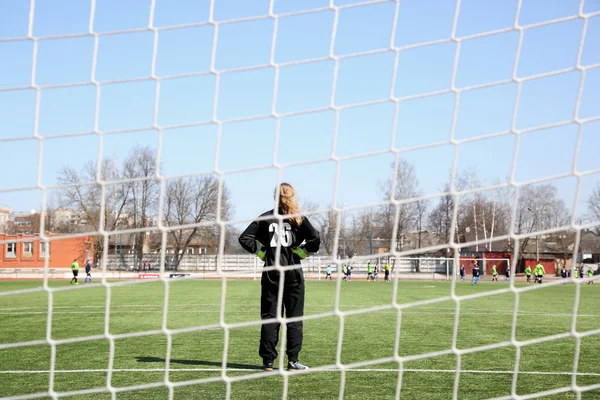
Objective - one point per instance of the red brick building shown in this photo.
(28, 251)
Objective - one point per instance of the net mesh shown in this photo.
(341, 315)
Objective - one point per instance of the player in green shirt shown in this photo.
(539, 272)
(576, 273)
(369, 272)
(528, 273)
(590, 273)
(75, 269)
(494, 274)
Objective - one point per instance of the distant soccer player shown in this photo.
(575, 273)
(475, 278)
(462, 273)
(494, 274)
(563, 274)
(539, 272)
(345, 272)
(590, 274)
(349, 272)
(369, 272)
(507, 273)
(75, 269)
(387, 272)
(528, 274)
(328, 272)
(296, 239)
(88, 272)
(375, 270)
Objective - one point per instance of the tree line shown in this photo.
(132, 201)
(480, 215)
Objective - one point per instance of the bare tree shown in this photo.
(470, 206)
(565, 244)
(307, 206)
(356, 231)
(593, 204)
(421, 210)
(133, 201)
(481, 215)
(504, 210)
(192, 201)
(84, 197)
(50, 222)
(538, 208)
(81, 195)
(231, 240)
(326, 224)
(385, 220)
(400, 218)
(140, 170)
(440, 217)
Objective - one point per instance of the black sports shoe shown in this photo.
(296, 365)
(267, 366)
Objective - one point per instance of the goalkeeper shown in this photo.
(262, 237)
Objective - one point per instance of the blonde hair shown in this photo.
(288, 204)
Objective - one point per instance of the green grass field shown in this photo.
(196, 356)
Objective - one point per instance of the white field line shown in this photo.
(490, 313)
(347, 307)
(383, 370)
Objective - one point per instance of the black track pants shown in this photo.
(293, 303)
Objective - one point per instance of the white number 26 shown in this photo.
(286, 237)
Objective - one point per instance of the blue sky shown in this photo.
(306, 137)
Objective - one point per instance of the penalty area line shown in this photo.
(395, 370)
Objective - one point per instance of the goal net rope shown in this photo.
(453, 243)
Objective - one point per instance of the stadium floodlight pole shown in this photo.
(537, 236)
(342, 224)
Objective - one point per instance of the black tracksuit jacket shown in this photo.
(265, 234)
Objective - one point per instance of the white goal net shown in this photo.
(142, 137)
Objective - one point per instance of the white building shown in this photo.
(4, 217)
(63, 216)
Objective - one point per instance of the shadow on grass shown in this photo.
(198, 362)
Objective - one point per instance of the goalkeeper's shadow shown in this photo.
(198, 362)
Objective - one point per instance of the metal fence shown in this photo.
(200, 263)
(250, 263)
(423, 265)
